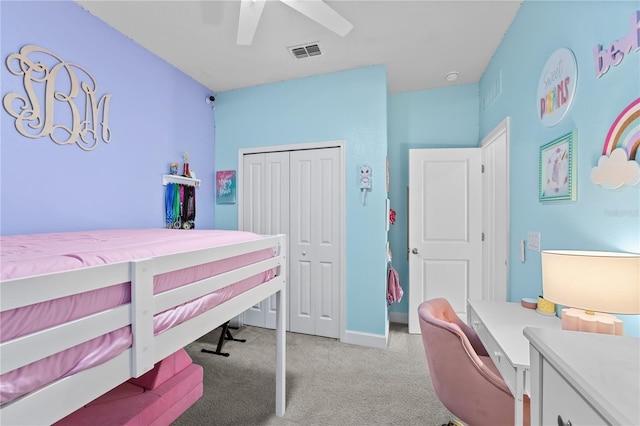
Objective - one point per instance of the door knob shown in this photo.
(304, 253)
(414, 251)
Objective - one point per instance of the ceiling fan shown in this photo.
(317, 10)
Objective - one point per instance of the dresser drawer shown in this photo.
(507, 370)
(561, 404)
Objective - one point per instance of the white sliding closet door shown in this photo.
(314, 242)
(265, 197)
(298, 193)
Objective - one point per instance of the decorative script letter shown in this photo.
(60, 100)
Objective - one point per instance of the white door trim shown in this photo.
(302, 146)
(502, 128)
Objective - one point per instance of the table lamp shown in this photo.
(593, 285)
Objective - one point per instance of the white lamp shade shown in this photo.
(592, 280)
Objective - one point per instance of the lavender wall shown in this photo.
(156, 113)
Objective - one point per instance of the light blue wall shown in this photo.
(350, 106)
(438, 118)
(599, 219)
(156, 114)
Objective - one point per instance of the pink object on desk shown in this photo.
(598, 322)
(529, 303)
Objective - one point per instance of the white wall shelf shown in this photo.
(182, 180)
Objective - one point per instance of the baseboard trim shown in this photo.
(365, 339)
(399, 317)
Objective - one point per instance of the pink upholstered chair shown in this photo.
(463, 375)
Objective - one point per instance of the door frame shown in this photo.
(298, 147)
(488, 255)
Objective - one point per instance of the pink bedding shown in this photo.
(27, 255)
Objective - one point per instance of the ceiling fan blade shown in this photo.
(250, 12)
(320, 12)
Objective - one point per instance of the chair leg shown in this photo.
(454, 423)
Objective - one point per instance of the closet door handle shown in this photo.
(414, 251)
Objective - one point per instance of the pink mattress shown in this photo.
(27, 255)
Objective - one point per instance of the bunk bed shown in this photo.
(83, 312)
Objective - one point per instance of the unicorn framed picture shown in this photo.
(557, 179)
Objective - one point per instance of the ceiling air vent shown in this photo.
(305, 51)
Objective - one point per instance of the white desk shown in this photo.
(499, 326)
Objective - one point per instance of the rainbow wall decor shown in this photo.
(618, 165)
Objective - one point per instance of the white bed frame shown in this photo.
(56, 400)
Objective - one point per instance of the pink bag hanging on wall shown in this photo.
(394, 290)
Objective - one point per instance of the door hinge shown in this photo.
(483, 236)
(482, 169)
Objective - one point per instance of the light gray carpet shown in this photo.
(328, 382)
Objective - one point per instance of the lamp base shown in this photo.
(596, 322)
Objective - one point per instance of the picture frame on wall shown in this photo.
(557, 178)
(226, 187)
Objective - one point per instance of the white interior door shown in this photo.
(445, 228)
(314, 242)
(495, 157)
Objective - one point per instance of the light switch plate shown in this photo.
(533, 241)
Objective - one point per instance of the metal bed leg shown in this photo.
(225, 334)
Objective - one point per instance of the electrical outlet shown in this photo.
(533, 241)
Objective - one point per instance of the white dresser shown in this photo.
(583, 378)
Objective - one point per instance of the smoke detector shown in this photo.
(452, 76)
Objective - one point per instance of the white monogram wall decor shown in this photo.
(57, 90)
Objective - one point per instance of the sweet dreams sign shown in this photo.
(556, 87)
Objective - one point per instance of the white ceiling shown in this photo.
(419, 41)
